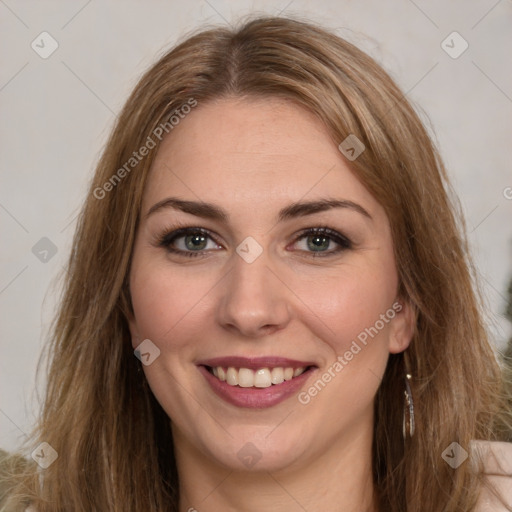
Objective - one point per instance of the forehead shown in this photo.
(249, 153)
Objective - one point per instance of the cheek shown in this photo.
(164, 301)
(350, 304)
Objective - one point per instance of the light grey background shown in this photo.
(57, 112)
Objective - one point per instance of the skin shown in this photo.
(252, 158)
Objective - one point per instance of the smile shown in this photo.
(255, 382)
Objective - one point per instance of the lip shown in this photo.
(255, 398)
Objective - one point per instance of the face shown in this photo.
(263, 273)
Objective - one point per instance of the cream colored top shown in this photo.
(498, 461)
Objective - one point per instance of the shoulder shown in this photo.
(497, 461)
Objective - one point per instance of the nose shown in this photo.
(254, 301)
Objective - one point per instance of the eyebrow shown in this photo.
(299, 209)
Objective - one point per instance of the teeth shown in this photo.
(262, 378)
(245, 378)
(277, 375)
(288, 373)
(232, 377)
(298, 371)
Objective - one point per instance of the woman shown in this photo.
(269, 232)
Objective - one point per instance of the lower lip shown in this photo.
(255, 398)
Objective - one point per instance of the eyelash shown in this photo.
(168, 237)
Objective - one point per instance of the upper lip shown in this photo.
(254, 363)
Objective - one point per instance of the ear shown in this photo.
(403, 326)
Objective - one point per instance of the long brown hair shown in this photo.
(114, 444)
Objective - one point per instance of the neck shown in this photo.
(338, 479)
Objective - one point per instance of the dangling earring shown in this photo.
(408, 425)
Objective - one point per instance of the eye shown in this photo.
(196, 241)
(190, 242)
(322, 241)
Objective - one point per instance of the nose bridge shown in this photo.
(254, 301)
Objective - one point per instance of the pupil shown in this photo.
(195, 241)
(320, 242)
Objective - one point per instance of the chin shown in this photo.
(257, 451)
